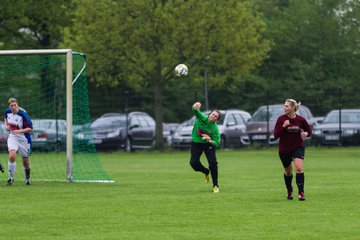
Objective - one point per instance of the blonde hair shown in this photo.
(12, 100)
(294, 104)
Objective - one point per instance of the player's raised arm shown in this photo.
(197, 106)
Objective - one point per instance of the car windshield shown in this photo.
(190, 122)
(261, 114)
(274, 113)
(346, 117)
(109, 122)
(44, 124)
(41, 124)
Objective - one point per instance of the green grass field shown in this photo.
(158, 196)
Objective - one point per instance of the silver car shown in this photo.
(333, 132)
(48, 134)
(181, 138)
(3, 137)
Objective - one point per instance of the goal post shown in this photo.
(59, 76)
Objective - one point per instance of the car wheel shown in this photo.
(128, 145)
(222, 142)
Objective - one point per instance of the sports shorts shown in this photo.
(287, 157)
(20, 145)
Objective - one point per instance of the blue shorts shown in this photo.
(288, 157)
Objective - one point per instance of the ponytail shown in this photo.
(294, 104)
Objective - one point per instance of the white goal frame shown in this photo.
(69, 96)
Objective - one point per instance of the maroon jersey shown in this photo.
(290, 136)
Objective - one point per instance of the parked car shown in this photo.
(318, 120)
(113, 131)
(232, 128)
(260, 130)
(82, 136)
(3, 137)
(168, 131)
(49, 134)
(245, 115)
(331, 132)
(181, 139)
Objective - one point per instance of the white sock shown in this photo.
(11, 166)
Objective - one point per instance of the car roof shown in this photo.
(138, 113)
(111, 114)
(275, 106)
(279, 105)
(346, 110)
(123, 114)
(47, 120)
(229, 110)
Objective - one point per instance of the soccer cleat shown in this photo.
(301, 196)
(290, 195)
(9, 181)
(27, 182)
(216, 189)
(1, 168)
(207, 177)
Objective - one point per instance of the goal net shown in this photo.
(51, 85)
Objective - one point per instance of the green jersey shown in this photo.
(201, 126)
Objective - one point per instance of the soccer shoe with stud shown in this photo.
(301, 196)
(207, 177)
(10, 181)
(216, 189)
(1, 168)
(27, 182)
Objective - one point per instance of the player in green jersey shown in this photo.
(205, 138)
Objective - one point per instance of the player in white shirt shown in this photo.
(18, 123)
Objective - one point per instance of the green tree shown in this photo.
(34, 24)
(138, 43)
(316, 50)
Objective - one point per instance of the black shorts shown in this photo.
(287, 157)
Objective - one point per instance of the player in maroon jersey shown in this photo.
(292, 129)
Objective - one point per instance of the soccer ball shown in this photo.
(181, 70)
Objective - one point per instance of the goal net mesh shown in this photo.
(38, 82)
